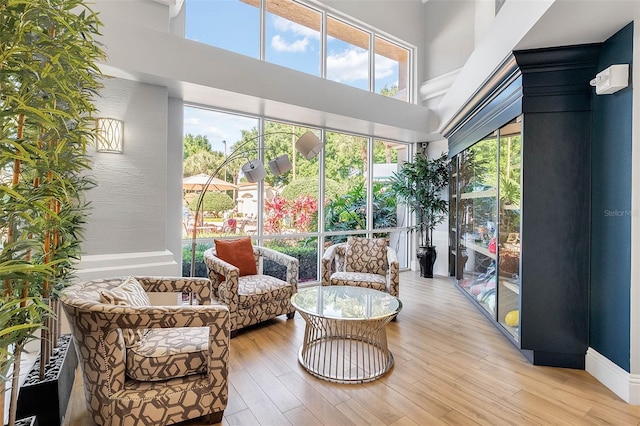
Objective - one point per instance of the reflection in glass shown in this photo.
(477, 221)
(509, 226)
(346, 302)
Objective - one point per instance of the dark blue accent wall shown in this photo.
(611, 213)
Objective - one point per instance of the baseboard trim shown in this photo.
(619, 381)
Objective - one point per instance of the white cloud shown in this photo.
(279, 44)
(348, 66)
(385, 66)
(216, 126)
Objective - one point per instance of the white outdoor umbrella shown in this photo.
(198, 182)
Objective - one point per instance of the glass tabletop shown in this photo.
(345, 302)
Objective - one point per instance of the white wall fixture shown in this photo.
(611, 80)
(109, 135)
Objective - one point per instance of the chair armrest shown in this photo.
(393, 272)
(292, 264)
(200, 286)
(227, 289)
(328, 267)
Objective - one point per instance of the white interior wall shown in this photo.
(449, 36)
(126, 227)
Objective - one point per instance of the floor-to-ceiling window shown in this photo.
(318, 202)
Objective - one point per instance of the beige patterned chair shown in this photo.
(139, 365)
(253, 298)
(365, 262)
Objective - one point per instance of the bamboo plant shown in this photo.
(48, 80)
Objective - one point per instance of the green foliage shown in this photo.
(389, 91)
(309, 186)
(349, 211)
(195, 144)
(48, 58)
(213, 202)
(306, 251)
(202, 162)
(201, 268)
(419, 185)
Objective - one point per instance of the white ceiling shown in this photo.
(569, 22)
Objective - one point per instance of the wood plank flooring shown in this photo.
(451, 367)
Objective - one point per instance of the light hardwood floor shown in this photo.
(451, 367)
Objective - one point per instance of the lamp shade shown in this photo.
(309, 145)
(109, 135)
(280, 165)
(254, 171)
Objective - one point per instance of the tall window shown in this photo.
(296, 211)
(231, 25)
(391, 69)
(347, 54)
(295, 35)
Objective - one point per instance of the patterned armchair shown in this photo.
(139, 365)
(365, 263)
(253, 298)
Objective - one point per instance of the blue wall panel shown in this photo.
(611, 211)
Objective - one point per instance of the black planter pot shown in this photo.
(28, 421)
(48, 399)
(426, 258)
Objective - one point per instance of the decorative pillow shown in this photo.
(129, 293)
(239, 253)
(366, 255)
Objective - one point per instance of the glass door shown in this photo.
(478, 221)
(509, 226)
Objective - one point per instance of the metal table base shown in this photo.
(345, 350)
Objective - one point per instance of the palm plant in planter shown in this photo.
(48, 78)
(419, 184)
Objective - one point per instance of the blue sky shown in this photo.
(234, 25)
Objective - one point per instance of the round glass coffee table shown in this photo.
(345, 339)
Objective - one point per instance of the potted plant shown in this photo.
(419, 184)
(48, 78)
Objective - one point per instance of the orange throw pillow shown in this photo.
(239, 253)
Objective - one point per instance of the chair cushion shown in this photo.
(239, 253)
(166, 353)
(129, 293)
(366, 255)
(256, 289)
(360, 279)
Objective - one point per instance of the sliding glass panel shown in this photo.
(391, 70)
(293, 36)
(478, 210)
(509, 227)
(231, 24)
(347, 54)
